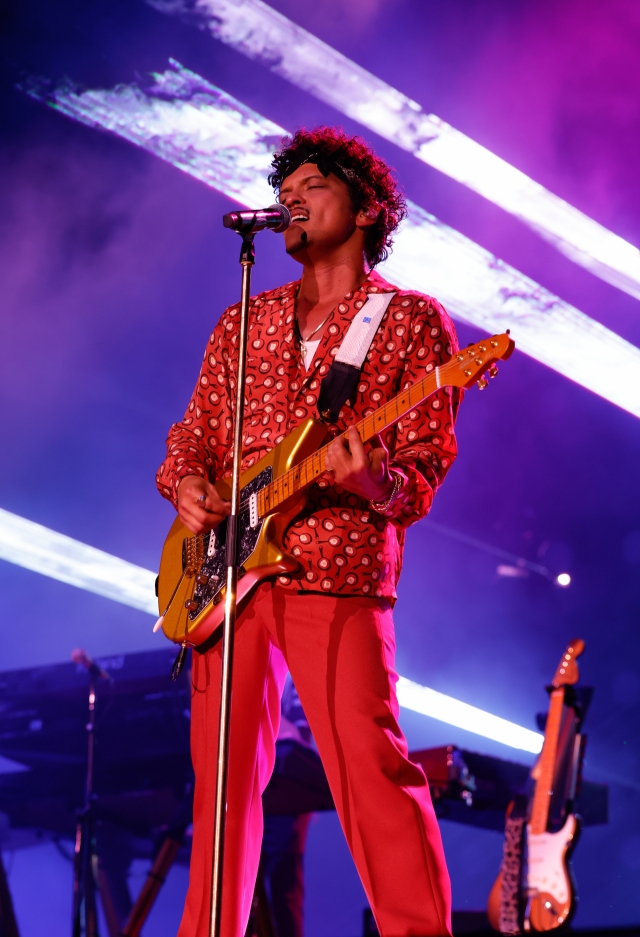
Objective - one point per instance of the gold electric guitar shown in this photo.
(192, 578)
(546, 889)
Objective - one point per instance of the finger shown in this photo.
(210, 501)
(191, 522)
(201, 499)
(194, 509)
(378, 442)
(379, 463)
(358, 453)
(336, 451)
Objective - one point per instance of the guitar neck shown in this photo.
(547, 764)
(307, 471)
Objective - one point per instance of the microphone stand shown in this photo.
(247, 259)
(85, 918)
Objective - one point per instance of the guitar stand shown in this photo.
(168, 849)
(247, 260)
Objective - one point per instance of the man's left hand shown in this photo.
(364, 473)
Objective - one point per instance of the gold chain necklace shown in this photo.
(303, 341)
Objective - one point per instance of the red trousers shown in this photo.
(340, 652)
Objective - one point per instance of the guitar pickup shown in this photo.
(253, 510)
(212, 543)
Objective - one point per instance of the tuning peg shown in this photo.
(482, 383)
(493, 370)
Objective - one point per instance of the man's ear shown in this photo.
(368, 216)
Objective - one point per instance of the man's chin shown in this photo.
(300, 243)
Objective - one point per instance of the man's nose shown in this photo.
(292, 199)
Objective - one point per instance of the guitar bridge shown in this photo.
(192, 555)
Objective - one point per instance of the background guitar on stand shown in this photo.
(535, 890)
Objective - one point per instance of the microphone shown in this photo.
(277, 217)
(80, 656)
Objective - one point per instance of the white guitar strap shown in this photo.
(342, 380)
(363, 328)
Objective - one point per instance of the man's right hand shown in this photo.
(199, 505)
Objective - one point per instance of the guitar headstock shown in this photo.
(470, 364)
(567, 672)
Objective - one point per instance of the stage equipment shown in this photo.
(85, 859)
(183, 119)
(191, 586)
(535, 890)
(268, 37)
(96, 672)
(142, 767)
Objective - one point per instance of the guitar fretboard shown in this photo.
(546, 768)
(310, 468)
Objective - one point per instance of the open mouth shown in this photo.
(296, 218)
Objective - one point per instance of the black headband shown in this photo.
(325, 164)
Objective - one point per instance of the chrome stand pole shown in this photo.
(247, 258)
(85, 916)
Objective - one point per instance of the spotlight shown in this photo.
(511, 572)
(563, 579)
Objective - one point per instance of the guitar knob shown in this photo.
(191, 605)
(493, 370)
(482, 383)
(202, 579)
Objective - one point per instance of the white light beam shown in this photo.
(266, 36)
(185, 120)
(45, 551)
(428, 702)
(52, 554)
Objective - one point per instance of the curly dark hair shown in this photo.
(370, 180)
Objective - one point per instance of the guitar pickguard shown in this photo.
(545, 861)
(215, 562)
(547, 878)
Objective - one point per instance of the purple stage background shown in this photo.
(114, 266)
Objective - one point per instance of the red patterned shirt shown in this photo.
(342, 545)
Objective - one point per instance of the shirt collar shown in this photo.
(373, 284)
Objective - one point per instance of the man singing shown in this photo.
(330, 623)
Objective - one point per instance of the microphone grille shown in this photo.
(284, 213)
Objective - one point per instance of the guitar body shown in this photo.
(493, 904)
(549, 886)
(260, 546)
(547, 883)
